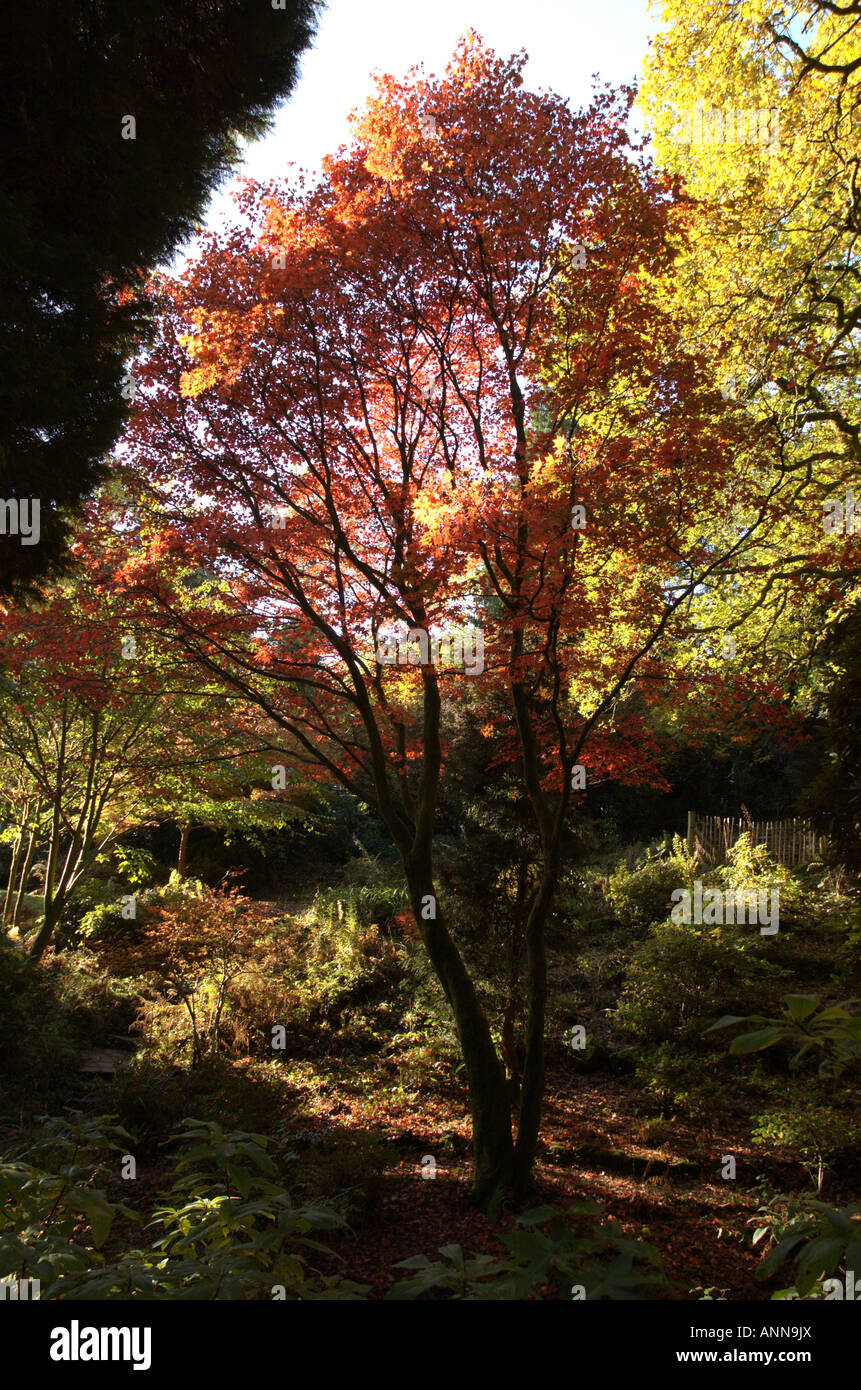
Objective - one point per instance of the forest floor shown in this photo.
(658, 1176)
(358, 1124)
(666, 1189)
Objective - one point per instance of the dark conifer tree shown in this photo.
(116, 123)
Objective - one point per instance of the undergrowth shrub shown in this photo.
(47, 1014)
(225, 1229)
(570, 1254)
(681, 976)
(355, 908)
(818, 1243)
(750, 868)
(94, 910)
(682, 1083)
(37, 1045)
(187, 951)
(642, 895)
(811, 1127)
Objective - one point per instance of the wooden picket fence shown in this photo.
(790, 842)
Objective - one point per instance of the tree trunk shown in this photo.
(52, 901)
(550, 825)
(183, 851)
(509, 1047)
(509, 1040)
(13, 876)
(532, 1085)
(493, 1148)
(25, 873)
(46, 931)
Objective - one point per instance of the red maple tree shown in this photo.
(438, 390)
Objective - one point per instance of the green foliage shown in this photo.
(227, 1229)
(543, 1250)
(53, 1219)
(344, 913)
(815, 1239)
(816, 1131)
(679, 1081)
(583, 893)
(352, 959)
(46, 1015)
(134, 864)
(101, 924)
(34, 1037)
(678, 978)
(749, 867)
(808, 1025)
(95, 916)
(642, 895)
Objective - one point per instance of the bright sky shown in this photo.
(567, 41)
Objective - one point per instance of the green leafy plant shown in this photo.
(53, 1220)
(679, 1080)
(807, 1025)
(227, 1229)
(543, 1249)
(678, 976)
(749, 867)
(643, 895)
(815, 1131)
(817, 1240)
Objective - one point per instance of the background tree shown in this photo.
(757, 106)
(87, 697)
(227, 769)
(80, 732)
(834, 796)
(90, 203)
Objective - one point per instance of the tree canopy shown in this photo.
(116, 124)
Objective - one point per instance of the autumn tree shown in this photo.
(756, 106)
(433, 394)
(87, 696)
(190, 950)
